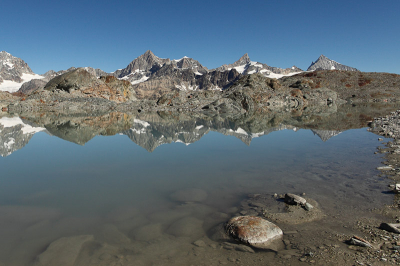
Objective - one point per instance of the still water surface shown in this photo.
(119, 193)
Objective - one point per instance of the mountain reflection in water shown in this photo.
(151, 130)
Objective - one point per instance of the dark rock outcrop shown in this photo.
(33, 85)
(80, 83)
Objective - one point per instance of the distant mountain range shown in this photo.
(152, 75)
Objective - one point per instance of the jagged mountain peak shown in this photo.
(4, 53)
(324, 63)
(149, 55)
(142, 63)
(189, 63)
(245, 59)
(148, 52)
(8, 62)
(242, 62)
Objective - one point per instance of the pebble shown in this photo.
(355, 240)
(308, 206)
(385, 168)
(294, 199)
(199, 243)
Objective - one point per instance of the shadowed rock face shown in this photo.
(33, 85)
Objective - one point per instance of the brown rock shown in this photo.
(255, 231)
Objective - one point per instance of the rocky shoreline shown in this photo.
(81, 90)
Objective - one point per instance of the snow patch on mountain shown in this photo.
(12, 86)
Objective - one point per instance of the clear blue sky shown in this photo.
(110, 34)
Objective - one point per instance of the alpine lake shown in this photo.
(103, 189)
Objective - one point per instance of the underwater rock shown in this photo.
(63, 251)
(190, 195)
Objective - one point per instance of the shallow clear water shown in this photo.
(112, 188)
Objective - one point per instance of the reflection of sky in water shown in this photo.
(107, 169)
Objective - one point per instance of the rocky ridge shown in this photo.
(248, 94)
(245, 66)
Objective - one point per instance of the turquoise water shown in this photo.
(52, 188)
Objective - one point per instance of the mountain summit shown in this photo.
(141, 64)
(324, 63)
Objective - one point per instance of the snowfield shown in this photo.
(12, 86)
